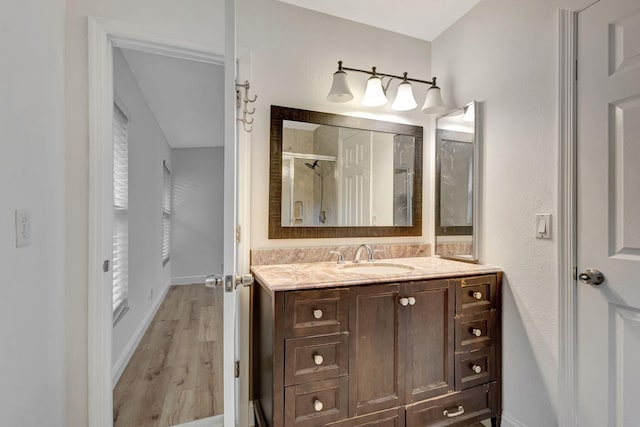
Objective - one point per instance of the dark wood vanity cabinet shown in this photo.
(415, 353)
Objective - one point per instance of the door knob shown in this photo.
(591, 276)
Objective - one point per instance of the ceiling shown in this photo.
(422, 19)
(186, 97)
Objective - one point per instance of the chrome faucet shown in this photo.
(356, 258)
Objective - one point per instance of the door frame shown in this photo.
(104, 35)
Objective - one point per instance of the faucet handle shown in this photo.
(340, 257)
(373, 253)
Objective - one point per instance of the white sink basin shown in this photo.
(377, 268)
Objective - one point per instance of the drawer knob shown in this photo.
(318, 359)
(412, 301)
(404, 301)
(455, 412)
(476, 295)
(477, 332)
(476, 368)
(317, 405)
(317, 314)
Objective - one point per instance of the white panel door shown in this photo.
(608, 350)
(355, 177)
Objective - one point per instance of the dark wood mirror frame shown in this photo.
(277, 231)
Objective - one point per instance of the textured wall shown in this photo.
(32, 306)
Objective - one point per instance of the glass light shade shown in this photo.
(469, 113)
(340, 91)
(374, 94)
(404, 98)
(434, 103)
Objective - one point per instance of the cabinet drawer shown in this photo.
(316, 404)
(390, 418)
(476, 294)
(461, 408)
(475, 331)
(318, 312)
(316, 358)
(475, 367)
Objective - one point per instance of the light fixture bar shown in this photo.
(341, 67)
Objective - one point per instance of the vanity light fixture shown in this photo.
(375, 93)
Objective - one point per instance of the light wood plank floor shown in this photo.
(175, 374)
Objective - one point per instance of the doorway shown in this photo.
(167, 343)
(104, 34)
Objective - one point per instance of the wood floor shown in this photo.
(175, 374)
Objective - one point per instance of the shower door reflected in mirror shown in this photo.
(457, 183)
(336, 176)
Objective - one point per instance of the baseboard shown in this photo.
(121, 363)
(188, 280)
(509, 421)
(216, 421)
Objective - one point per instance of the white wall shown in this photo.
(198, 21)
(294, 53)
(148, 148)
(32, 306)
(197, 217)
(504, 54)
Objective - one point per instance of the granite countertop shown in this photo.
(286, 277)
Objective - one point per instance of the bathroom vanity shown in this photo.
(415, 343)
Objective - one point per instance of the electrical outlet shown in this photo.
(23, 228)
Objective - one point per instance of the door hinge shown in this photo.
(105, 265)
(237, 369)
(238, 233)
(575, 273)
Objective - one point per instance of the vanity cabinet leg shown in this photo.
(495, 421)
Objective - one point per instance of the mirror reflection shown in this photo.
(339, 176)
(457, 183)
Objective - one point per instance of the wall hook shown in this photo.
(243, 100)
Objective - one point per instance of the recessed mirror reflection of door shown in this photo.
(335, 176)
(167, 338)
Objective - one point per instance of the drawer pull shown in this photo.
(404, 301)
(476, 368)
(476, 294)
(458, 411)
(477, 332)
(412, 301)
(317, 405)
(318, 359)
(317, 314)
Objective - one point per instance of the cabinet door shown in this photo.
(430, 339)
(376, 371)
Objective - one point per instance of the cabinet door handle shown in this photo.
(476, 294)
(412, 301)
(404, 301)
(318, 359)
(317, 314)
(317, 405)
(477, 332)
(476, 368)
(458, 411)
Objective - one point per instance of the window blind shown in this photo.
(120, 213)
(166, 212)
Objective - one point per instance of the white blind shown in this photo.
(120, 212)
(166, 213)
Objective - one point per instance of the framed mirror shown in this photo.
(457, 183)
(340, 176)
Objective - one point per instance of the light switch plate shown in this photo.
(543, 226)
(23, 228)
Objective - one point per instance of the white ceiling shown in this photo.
(422, 19)
(186, 97)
